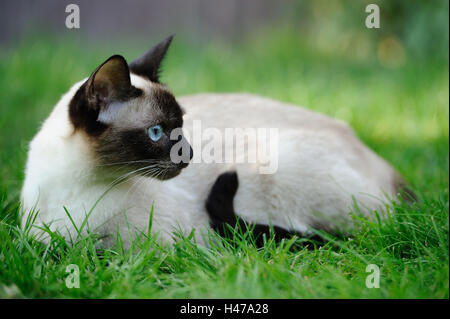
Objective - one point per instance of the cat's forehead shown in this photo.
(154, 105)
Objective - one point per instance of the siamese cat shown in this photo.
(104, 157)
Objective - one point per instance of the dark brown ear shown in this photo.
(110, 82)
(148, 65)
(97, 101)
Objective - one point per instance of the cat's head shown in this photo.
(129, 117)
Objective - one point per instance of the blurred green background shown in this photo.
(390, 84)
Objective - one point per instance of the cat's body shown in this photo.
(322, 169)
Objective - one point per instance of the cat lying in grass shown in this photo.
(104, 159)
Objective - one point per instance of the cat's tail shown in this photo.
(219, 206)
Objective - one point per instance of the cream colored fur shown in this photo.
(322, 169)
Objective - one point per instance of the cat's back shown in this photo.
(248, 110)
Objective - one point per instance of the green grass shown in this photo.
(402, 113)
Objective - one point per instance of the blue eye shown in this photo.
(155, 132)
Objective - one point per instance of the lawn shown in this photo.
(400, 110)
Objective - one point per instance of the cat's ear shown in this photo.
(148, 65)
(98, 100)
(109, 83)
